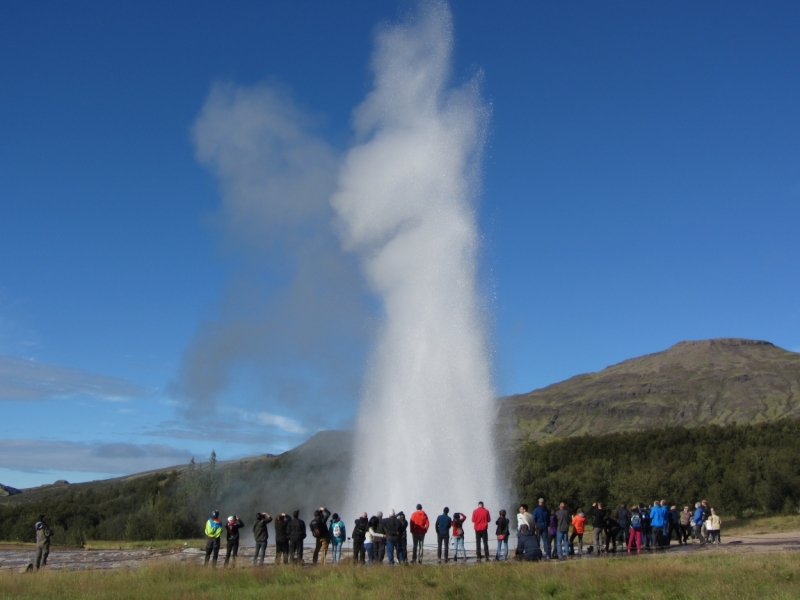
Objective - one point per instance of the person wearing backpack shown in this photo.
(442, 527)
(319, 529)
(502, 534)
(43, 535)
(635, 536)
(337, 535)
(261, 535)
(296, 532)
(359, 536)
(419, 527)
(213, 532)
(578, 527)
(647, 530)
(458, 535)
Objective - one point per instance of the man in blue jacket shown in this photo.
(541, 518)
(697, 521)
(658, 518)
(442, 526)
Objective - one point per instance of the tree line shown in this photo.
(743, 470)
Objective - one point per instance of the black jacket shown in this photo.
(528, 546)
(232, 528)
(502, 526)
(260, 532)
(280, 530)
(392, 529)
(624, 517)
(598, 515)
(296, 530)
(322, 519)
(360, 529)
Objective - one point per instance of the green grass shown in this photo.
(698, 575)
(757, 525)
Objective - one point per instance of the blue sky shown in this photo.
(641, 186)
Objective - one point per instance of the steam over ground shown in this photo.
(399, 205)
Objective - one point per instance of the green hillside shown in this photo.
(709, 382)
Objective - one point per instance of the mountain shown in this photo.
(709, 382)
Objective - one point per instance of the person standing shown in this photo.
(232, 528)
(563, 520)
(502, 534)
(442, 527)
(598, 516)
(369, 538)
(296, 532)
(658, 521)
(419, 527)
(480, 522)
(319, 529)
(624, 520)
(697, 521)
(391, 527)
(524, 518)
(213, 532)
(281, 538)
(402, 546)
(578, 527)
(374, 536)
(380, 539)
(612, 530)
(635, 537)
(43, 535)
(541, 518)
(714, 527)
(647, 530)
(359, 536)
(337, 535)
(458, 535)
(685, 520)
(261, 535)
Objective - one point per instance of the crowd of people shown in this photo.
(542, 534)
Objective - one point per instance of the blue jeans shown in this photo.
(390, 550)
(337, 549)
(502, 545)
(562, 543)
(544, 541)
(458, 542)
(369, 551)
(261, 550)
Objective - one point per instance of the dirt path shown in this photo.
(18, 557)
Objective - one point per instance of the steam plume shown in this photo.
(404, 205)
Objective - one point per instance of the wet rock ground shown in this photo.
(17, 558)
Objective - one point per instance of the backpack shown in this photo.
(316, 530)
(337, 530)
(636, 521)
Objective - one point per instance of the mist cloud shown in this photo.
(289, 331)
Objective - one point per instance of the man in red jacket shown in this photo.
(480, 521)
(419, 527)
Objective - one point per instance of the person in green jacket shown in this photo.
(213, 531)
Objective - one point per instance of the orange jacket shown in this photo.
(578, 523)
(419, 523)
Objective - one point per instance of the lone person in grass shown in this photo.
(43, 535)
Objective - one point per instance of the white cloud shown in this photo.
(22, 379)
(117, 458)
(288, 425)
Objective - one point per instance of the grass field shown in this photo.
(700, 575)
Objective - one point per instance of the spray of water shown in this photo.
(405, 204)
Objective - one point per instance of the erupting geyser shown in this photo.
(404, 204)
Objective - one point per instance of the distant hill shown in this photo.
(709, 382)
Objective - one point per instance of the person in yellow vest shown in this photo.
(213, 531)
